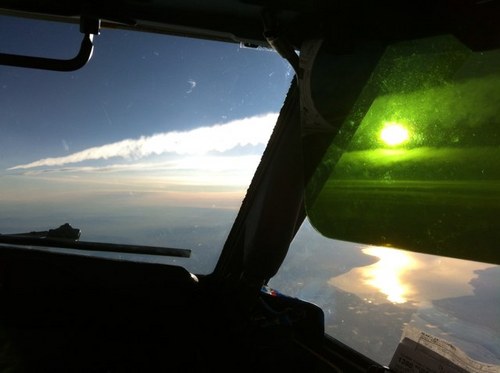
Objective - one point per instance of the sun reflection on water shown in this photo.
(386, 274)
(403, 277)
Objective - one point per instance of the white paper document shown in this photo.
(420, 352)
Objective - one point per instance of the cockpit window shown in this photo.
(153, 142)
(415, 165)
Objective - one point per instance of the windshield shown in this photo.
(153, 142)
(370, 294)
(415, 166)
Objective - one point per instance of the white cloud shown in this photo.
(219, 138)
(192, 85)
(190, 163)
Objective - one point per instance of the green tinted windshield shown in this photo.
(416, 163)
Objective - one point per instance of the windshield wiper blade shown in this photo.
(68, 237)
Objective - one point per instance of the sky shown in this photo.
(135, 85)
(151, 120)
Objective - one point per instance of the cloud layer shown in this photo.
(217, 138)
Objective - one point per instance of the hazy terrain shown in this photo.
(456, 300)
(453, 299)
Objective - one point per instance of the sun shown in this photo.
(394, 134)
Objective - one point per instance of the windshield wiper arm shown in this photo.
(68, 237)
(65, 231)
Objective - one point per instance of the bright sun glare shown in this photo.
(394, 134)
(385, 275)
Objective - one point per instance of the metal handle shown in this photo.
(88, 26)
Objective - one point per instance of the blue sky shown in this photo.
(135, 85)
